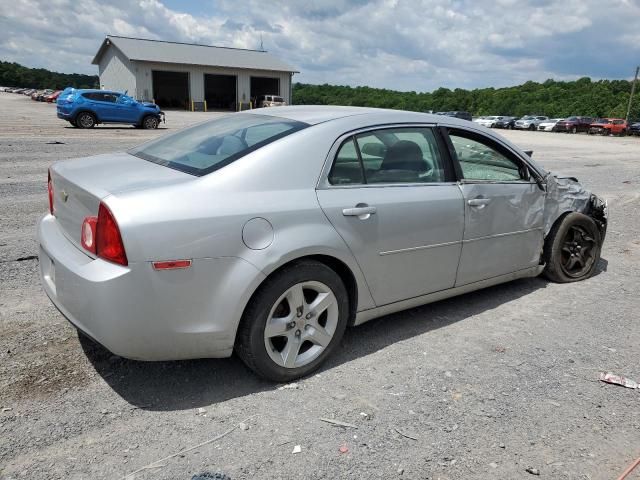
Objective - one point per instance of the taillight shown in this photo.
(101, 235)
(88, 235)
(50, 190)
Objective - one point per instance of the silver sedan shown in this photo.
(269, 232)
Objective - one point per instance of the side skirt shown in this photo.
(366, 315)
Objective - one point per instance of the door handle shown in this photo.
(478, 202)
(361, 211)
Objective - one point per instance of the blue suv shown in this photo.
(87, 108)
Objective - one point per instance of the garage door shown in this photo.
(171, 89)
(220, 91)
(264, 86)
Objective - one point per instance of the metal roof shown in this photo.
(146, 50)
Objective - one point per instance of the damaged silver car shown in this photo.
(269, 232)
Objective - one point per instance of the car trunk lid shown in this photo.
(80, 184)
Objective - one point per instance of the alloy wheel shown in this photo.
(301, 324)
(578, 252)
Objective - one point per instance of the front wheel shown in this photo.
(294, 322)
(572, 249)
(574, 130)
(150, 122)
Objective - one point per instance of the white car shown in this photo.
(489, 121)
(549, 125)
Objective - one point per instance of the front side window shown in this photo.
(209, 146)
(480, 161)
(395, 155)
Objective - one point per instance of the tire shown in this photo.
(572, 249)
(274, 305)
(574, 130)
(73, 123)
(532, 127)
(150, 122)
(85, 120)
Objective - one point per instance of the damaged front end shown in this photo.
(565, 195)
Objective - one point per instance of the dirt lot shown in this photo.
(481, 386)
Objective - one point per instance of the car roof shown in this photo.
(314, 114)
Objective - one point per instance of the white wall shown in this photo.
(144, 79)
(116, 73)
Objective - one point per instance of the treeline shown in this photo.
(601, 98)
(16, 75)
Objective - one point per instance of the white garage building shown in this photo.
(185, 76)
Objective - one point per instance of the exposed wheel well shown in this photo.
(338, 266)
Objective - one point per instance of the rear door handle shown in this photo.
(361, 212)
(478, 202)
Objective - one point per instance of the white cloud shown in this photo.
(401, 44)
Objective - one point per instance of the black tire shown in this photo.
(532, 127)
(85, 120)
(564, 250)
(150, 122)
(250, 340)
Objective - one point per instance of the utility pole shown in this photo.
(633, 90)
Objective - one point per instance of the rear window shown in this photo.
(207, 147)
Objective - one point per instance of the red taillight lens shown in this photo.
(50, 189)
(88, 234)
(107, 238)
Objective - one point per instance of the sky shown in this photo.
(417, 45)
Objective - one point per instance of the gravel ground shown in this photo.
(485, 385)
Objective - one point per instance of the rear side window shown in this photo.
(398, 155)
(209, 146)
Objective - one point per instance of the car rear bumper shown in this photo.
(143, 314)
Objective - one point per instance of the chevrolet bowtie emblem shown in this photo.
(64, 195)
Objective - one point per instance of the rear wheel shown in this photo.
(294, 322)
(85, 120)
(150, 122)
(572, 249)
(532, 127)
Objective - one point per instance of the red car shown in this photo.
(53, 97)
(608, 126)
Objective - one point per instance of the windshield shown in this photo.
(212, 145)
(528, 118)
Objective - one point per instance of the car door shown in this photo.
(391, 194)
(104, 105)
(504, 206)
(126, 108)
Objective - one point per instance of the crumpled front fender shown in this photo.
(566, 194)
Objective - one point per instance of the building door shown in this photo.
(220, 91)
(264, 86)
(171, 89)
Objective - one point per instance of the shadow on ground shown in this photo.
(190, 384)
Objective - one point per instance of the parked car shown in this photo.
(489, 121)
(608, 126)
(87, 108)
(529, 122)
(52, 97)
(574, 124)
(296, 222)
(459, 114)
(506, 122)
(270, 101)
(549, 125)
(41, 97)
(634, 129)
